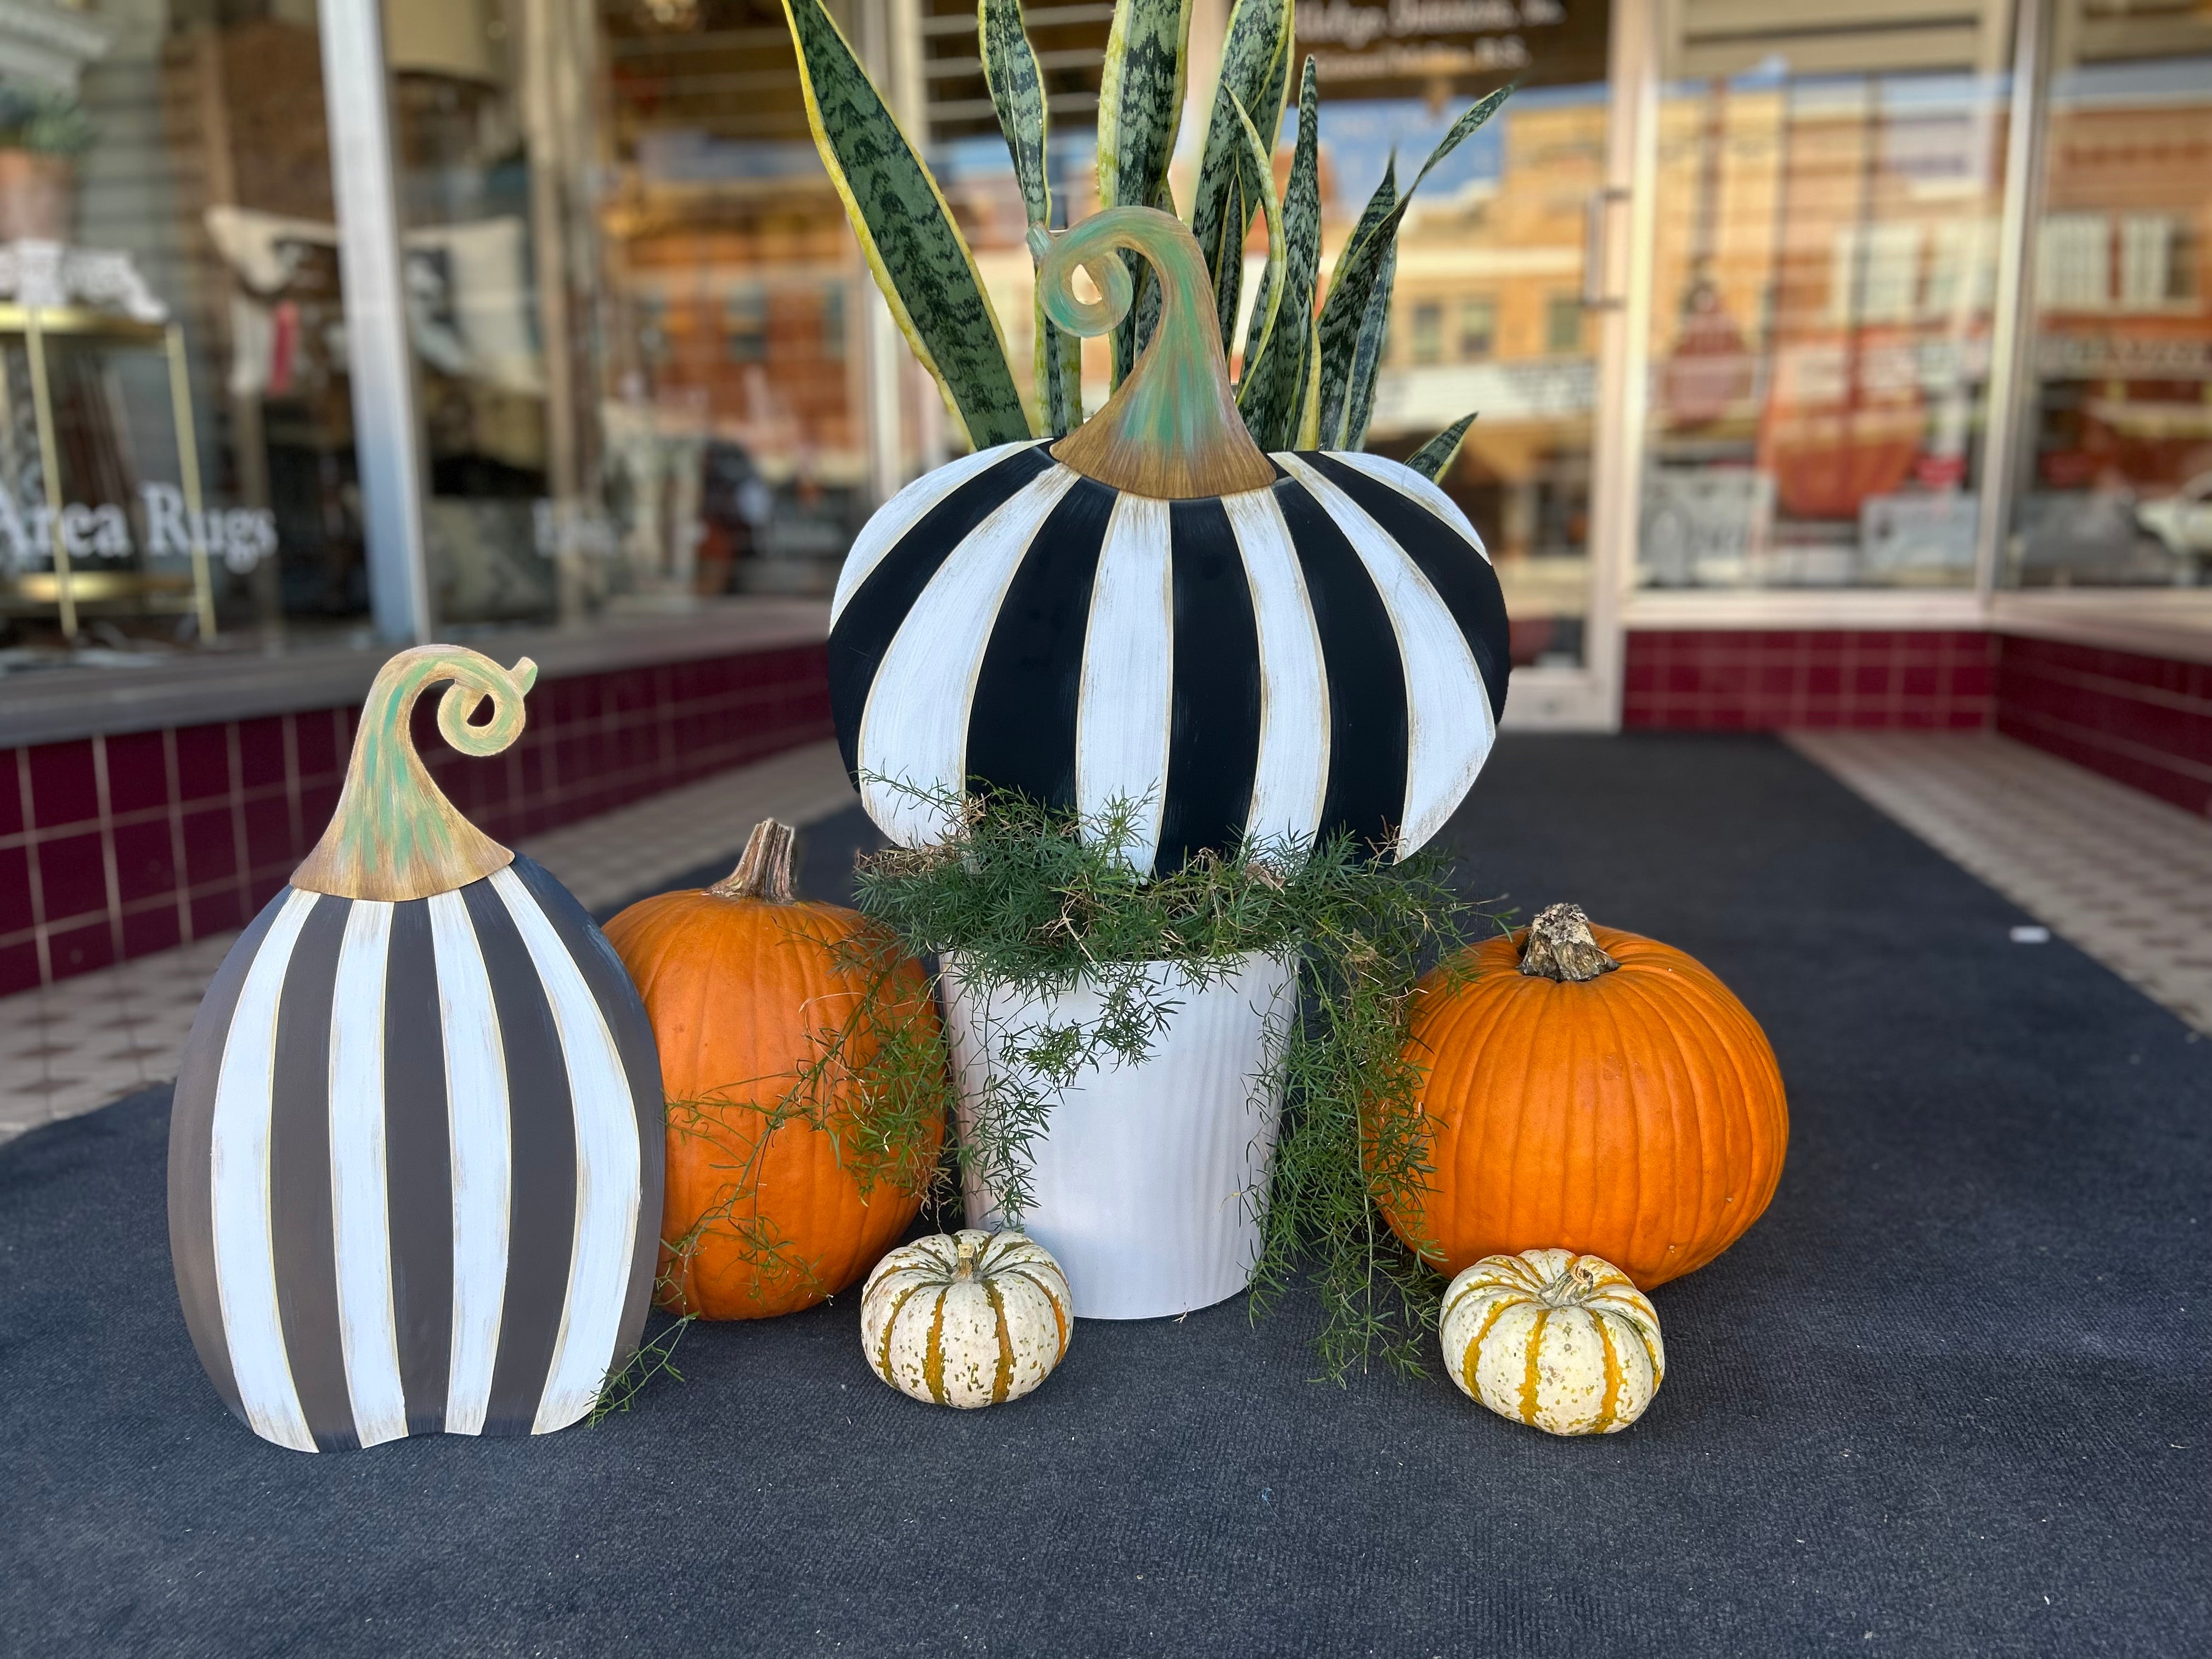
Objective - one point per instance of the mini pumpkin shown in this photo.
(766, 1211)
(1151, 610)
(966, 1319)
(1562, 1342)
(1588, 1088)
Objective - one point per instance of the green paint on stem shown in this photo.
(395, 835)
(1171, 428)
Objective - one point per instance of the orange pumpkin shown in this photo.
(765, 1212)
(1591, 1091)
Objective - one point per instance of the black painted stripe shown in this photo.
(1021, 727)
(418, 1167)
(871, 616)
(191, 1157)
(542, 1209)
(631, 1027)
(1367, 728)
(300, 1179)
(1463, 578)
(1214, 720)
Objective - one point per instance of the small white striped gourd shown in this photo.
(966, 1319)
(1562, 1342)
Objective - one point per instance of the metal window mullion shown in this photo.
(387, 444)
(1620, 426)
(2012, 322)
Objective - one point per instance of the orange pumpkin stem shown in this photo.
(764, 872)
(1561, 947)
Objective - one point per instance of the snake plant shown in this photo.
(1311, 352)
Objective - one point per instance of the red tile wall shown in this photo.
(2144, 720)
(1728, 679)
(111, 846)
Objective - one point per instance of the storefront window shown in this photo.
(1489, 315)
(165, 211)
(2116, 485)
(634, 300)
(1825, 277)
(1496, 239)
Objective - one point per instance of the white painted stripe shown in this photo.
(360, 1214)
(245, 1252)
(899, 515)
(607, 1169)
(1291, 780)
(1449, 724)
(482, 1160)
(1121, 723)
(1410, 484)
(914, 729)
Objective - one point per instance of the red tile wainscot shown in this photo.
(2144, 720)
(1748, 679)
(113, 846)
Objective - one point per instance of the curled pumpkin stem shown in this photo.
(394, 836)
(1171, 429)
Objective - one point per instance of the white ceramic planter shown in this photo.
(1150, 1179)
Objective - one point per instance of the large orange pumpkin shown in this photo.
(1590, 1091)
(765, 1212)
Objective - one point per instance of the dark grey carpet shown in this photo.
(1949, 1397)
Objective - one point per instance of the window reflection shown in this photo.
(1825, 277)
(2116, 485)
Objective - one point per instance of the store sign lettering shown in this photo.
(1341, 22)
(241, 537)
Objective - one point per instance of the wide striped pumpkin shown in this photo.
(414, 1155)
(1153, 611)
(966, 1319)
(1562, 1342)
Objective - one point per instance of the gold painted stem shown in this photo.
(1171, 429)
(395, 835)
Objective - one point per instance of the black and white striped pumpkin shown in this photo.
(1323, 649)
(414, 1155)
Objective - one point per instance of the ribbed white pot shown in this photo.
(1149, 1182)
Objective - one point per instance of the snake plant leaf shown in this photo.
(920, 259)
(1369, 220)
(1059, 369)
(1253, 54)
(1359, 268)
(1434, 458)
(1140, 111)
(1266, 301)
(1271, 282)
(1272, 396)
(1310, 403)
(1225, 260)
(1010, 70)
(1351, 432)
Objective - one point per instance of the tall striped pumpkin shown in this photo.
(1151, 612)
(416, 1151)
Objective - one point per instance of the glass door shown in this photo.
(1511, 262)
(1511, 284)
(1823, 287)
